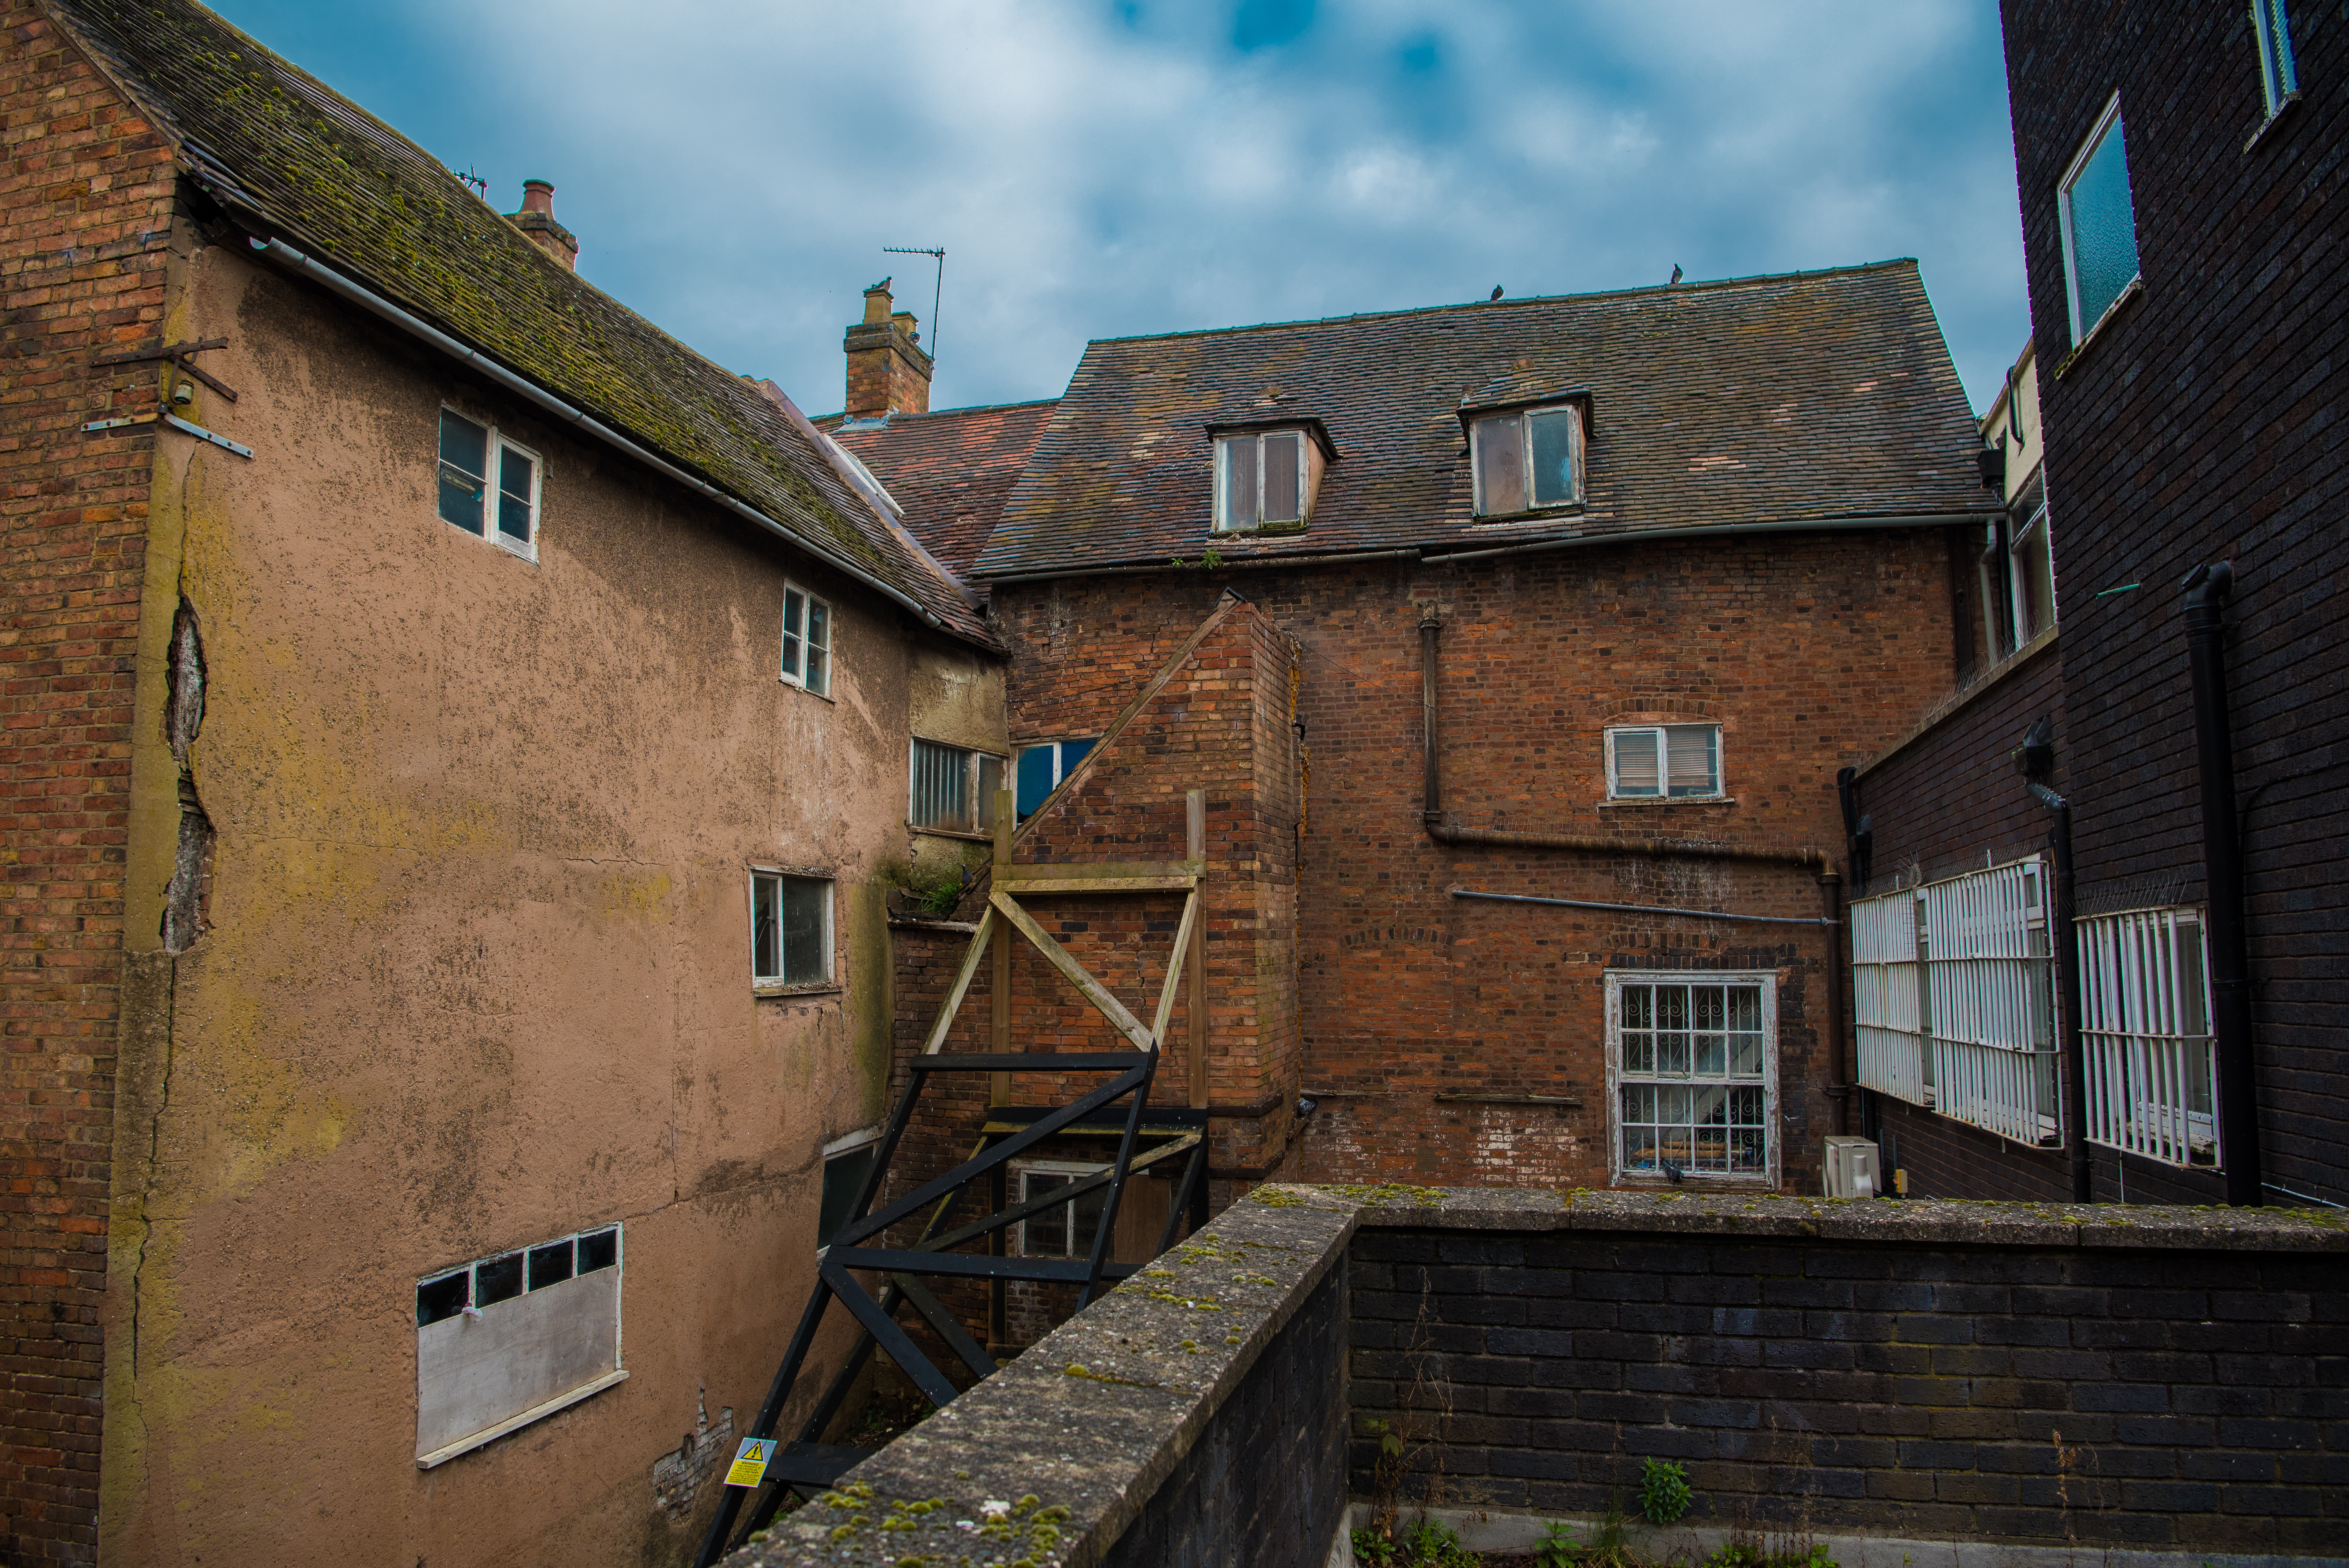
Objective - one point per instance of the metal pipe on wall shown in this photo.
(2222, 875)
(2066, 943)
(1818, 861)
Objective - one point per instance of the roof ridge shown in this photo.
(1687, 287)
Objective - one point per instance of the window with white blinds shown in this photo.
(2145, 1032)
(1954, 999)
(1670, 761)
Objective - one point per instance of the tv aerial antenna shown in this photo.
(939, 254)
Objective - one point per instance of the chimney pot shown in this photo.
(877, 302)
(536, 220)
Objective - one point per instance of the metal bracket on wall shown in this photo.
(176, 354)
(214, 436)
(1117, 1108)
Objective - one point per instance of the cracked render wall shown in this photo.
(458, 962)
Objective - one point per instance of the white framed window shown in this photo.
(1692, 1074)
(847, 1161)
(1954, 999)
(1042, 766)
(807, 641)
(504, 1340)
(2018, 573)
(1527, 460)
(1065, 1230)
(1664, 762)
(489, 486)
(2098, 224)
(791, 929)
(1263, 479)
(952, 788)
(2271, 32)
(2151, 1078)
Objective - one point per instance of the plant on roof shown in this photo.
(934, 891)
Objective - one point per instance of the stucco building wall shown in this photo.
(473, 964)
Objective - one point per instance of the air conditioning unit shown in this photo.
(1852, 1168)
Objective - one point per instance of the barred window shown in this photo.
(1695, 1068)
(953, 788)
(2144, 1029)
(1954, 999)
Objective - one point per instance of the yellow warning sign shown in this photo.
(750, 1466)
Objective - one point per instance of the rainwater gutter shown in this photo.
(2222, 876)
(1441, 557)
(376, 304)
(1818, 861)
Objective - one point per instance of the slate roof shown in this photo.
(293, 160)
(1808, 396)
(951, 470)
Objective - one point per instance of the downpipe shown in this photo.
(2222, 875)
(1820, 862)
(2068, 986)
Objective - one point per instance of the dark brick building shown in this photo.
(2184, 242)
(1654, 564)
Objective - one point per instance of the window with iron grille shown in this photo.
(1954, 999)
(1693, 1060)
(2150, 1068)
(953, 788)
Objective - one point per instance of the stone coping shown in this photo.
(1072, 1438)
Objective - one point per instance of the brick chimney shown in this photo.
(536, 220)
(887, 372)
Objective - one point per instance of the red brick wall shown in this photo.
(82, 257)
(1812, 652)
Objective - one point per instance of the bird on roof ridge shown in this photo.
(1496, 291)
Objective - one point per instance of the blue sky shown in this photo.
(1099, 168)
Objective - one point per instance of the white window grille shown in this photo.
(2145, 1031)
(1887, 996)
(1693, 1062)
(1964, 1021)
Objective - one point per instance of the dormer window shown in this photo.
(1527, 460)
(1266, 477)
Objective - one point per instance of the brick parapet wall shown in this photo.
(2164, 1397)
(2202, 424)
(82, 259)
(1810, 651)
(1894, 1370)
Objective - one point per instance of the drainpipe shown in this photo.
(2068, 986)
(2222, 876)
(1820, 863)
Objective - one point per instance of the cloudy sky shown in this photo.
(1097, 168)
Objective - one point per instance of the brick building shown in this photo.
(1651, 565)
(2173, 1029)
(456, 735)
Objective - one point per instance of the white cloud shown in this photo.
(733, 168)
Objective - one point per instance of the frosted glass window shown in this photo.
(2099, 224)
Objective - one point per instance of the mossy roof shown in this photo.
(295, 160)
(1824, 396)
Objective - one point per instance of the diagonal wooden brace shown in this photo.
(1096, 993)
